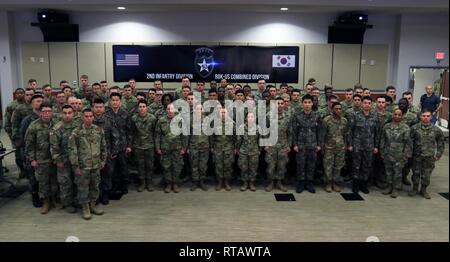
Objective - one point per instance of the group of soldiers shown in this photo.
(76, 147)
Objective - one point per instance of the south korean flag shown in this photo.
(283, 61)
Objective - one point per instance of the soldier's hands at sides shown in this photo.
(350, 148)
(318, 148)
(182, 152)
(236, 152)
(375, 150)
(436, 158)
(78, 172)
(113, 156)
(296, 148)
(34, 164)
(60, 164)
(159, 152)
(128, 150)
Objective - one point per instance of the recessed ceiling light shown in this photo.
(284, 9)
(121, 8)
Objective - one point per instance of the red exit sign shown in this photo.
(440, 55)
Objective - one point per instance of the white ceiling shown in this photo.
(370, 6)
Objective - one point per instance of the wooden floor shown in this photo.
(237, 216)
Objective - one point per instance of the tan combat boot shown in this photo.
(86, 211)
(394, 193)
(219, 184)
(141, 186)
(328, 188)
(280, 186)
(244, 186)
(269, 187)
(70, 209)
(203, 186)
(95, 210)
(251, 185)
(168, 188)
(227, 185)
(45, 206)
(387, 191)
(176, 188)
(414, 190)
(150, 187)
(336, 187)
(424, 193)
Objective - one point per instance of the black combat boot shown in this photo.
(310, 187)
(363, 187)
(300, 186)
(105, 197)
(355, 187)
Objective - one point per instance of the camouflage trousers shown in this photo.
(46, 177)
(145, 161)
(394, 173)
(223, 161)
(422, 169)
(407, 167)
(66, 185)
(276, 159)
(361, 164)
(199, 163)
(306, 164)
(248, 163)
(333, 162)
(87, 185)
(172, 164)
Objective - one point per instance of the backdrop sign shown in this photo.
(276, 64)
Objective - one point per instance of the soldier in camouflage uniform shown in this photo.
(348, 101)
(411, 108)
(223, 149)
(364, 142)
(428, 147)
(247, 145)
(57, 107)
(122, 121)
(348, 114)
(144, 145)
(19, 95)
(87, 154)
(59, 148)
(277, 155)
(357, 102)
(37, 148)
(335, 134)
(378, 173)
(157, 102)
(112, 138)
(395, 147)
(47, 91)
(20, 112)
(171, 147)
(306, 127)
(129, 102)
(199, 148)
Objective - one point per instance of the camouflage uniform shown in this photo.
(199, 148)
(37, 147)
(59, 148)
(28, 170)
(170, 146)
(223, 149)
(8, 117)
(306, 134)
(144, 145)
(122, 122)
(17, 140)
(346, 105)
(428, 142)
(363, 137)
(335, 133)
(277, 155)
(87, 151)
(130, 104)
(112, 138)
(395, 147)
(378, 172)
(248, 146)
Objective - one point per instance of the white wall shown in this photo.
(420, 37)
(412, 39)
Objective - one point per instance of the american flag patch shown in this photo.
(127, 59)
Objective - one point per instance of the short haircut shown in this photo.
(390, 88)
(284, 85)
(19, 89)
(332, 97)
(84, 77)
(35, 96)
(357, 95)
(95, 84)
(366, 89)
(98, 100)
(115, 94)
(328, 88)
(66, 106)
(311, 80)
(296, 90)
(200, 82)
(114, 87)
(65, 87)
(31, 80)
(239, 92)
(335, 104)
(407, 93)
(357, 86)
(152, 89)
(212, 90)
(349, 90)
(87, 110)
(63, 82)
(367, 98)
(186, 87)
(46, 85)
(307, 97)
(126, 86)
(388, 99)
(425, 110)
(384, 97)
(246, 86)
(142, 101)
(140, 94)
(45, 104)
(131, 79)
(103, 82)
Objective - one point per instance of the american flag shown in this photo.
(127, 59)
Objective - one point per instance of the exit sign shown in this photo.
(440, 55)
